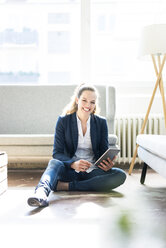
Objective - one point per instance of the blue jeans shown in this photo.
(96, 180)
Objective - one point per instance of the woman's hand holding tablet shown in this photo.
(105, 162)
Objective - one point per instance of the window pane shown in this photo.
(39, 41)
(116, 27)
(59, 42)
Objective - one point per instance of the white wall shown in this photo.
(135, 99)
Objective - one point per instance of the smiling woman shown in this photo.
(81, 137)
(78, 94)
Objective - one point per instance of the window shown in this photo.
(70, 41)
(116, 28)
(39, 42)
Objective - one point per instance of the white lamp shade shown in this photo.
(153, 40)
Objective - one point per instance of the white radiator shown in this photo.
(127, 128)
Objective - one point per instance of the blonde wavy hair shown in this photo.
(72, 106)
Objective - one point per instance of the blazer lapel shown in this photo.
(74, 131)
(93, 133)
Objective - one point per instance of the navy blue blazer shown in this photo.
(66, 137)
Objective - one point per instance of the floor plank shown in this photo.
(133, 215)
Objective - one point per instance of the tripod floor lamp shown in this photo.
(153, 43)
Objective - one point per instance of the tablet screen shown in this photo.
(110, 153)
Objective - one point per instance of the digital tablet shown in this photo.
(110, 153)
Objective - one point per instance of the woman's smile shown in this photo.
(86, 109)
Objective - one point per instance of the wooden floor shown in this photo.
(132, 216)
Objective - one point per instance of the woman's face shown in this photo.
(86, 102)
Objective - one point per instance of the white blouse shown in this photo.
(84, 148)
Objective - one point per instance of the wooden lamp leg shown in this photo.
(148, 111)
(161, 87)
(162, 91)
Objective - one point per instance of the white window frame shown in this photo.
(85, 40)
